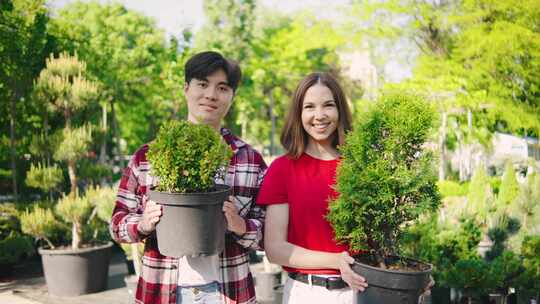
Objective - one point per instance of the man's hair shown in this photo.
(203, 64)
(293, 136)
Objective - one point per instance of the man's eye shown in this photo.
(202, 84)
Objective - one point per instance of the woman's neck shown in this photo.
(321, 150)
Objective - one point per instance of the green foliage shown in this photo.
(186, 157)
(526, 208)
(75, 144)
(93, 172)
(127, 53)
(39, 223)
(15, 247)
(74, 209)
(44, 178)
(473, 276)
(509, 188)
(386, 178)
(451, 188)
(480, 57)
(442, 245)
(480, 196)
(504, 271)
(103, 199)
(529, 279)
(504, 228)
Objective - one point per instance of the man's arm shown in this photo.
(254, 218)
(128, 208)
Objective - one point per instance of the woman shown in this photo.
(296, 191)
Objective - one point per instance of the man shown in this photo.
(210, 85)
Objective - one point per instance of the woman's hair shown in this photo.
(293, 136)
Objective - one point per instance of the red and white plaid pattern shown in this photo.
(159, 274)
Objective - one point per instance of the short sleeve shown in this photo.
(274, 186)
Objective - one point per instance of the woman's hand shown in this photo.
(235, 223)
(354, 280)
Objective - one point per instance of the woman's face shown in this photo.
(320, 116)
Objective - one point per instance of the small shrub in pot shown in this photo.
(385, 181)
(186, 158)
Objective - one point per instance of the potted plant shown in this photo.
(386, 180)
(82, 267)
(186, 158)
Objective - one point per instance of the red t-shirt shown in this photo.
(306, 184)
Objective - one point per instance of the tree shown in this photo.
(509, 190)
(23, 48)
(126, 53)
(63, 87)
(480, 197)
(484, 55)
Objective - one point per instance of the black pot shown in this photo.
(440, 295)
(192, 224)
(391, 286)
(73, 272)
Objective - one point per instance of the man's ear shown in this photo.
(186, 87)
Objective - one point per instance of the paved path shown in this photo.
(32, 290)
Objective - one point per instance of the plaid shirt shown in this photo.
(159, 274)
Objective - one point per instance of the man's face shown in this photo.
(209, 99)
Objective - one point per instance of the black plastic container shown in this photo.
(192, 224)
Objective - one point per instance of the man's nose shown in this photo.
(211, 93)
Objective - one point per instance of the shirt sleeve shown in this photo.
(254, 219)
(274, 186)
(128, 208)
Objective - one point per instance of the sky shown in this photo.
(175, 15)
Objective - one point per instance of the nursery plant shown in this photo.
(82, 267)
(386, 180)
(187, 159)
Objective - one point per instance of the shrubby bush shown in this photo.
(186, 157)
(386, 178)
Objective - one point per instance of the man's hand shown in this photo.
(354, 280)
(150, 217)
(427, 290)
(235, 223)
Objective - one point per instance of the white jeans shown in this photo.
(296, 292)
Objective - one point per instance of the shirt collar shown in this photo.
(233, 141)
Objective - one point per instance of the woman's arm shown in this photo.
(280, 251)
